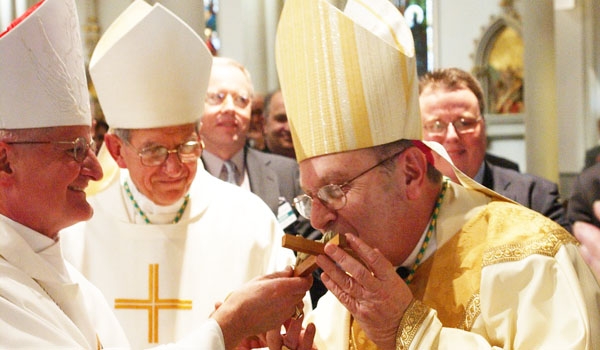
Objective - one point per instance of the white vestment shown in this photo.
(163, 279)
(537, 301)
(45, 303)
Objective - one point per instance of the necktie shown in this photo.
(229, 167)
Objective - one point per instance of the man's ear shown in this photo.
(114, 145)
(414, 168)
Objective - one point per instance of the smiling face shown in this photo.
(277, 130)
(225, 124)
(467, 150)
(42, 184)
(163, 184)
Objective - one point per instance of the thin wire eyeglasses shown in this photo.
(333, 196)
(79, 150)
(462, 125)
(218, 98)
(187, 152)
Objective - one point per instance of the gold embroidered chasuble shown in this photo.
(477, 235)
(449, 281)
(505, 274)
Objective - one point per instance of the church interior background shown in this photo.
(538, 61)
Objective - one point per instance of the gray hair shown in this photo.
(231, 62)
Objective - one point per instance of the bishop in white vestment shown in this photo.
(162, 267)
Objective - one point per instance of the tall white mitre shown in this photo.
(150, 69)
(42, 72)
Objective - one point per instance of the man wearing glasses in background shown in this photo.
(167, 240)
(452, 107)
(224, 129)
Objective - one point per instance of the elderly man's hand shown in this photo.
(260, 305)
(375, 295)
(589, 236)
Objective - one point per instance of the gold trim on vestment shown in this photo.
(413, 318)
(548, 245)
(472, 311)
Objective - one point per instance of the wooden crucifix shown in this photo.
(307, 250)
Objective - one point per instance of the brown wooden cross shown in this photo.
(306, 261)
(153, 304)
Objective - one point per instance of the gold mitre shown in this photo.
(348, 75)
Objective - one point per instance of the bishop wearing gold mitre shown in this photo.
(482, 271)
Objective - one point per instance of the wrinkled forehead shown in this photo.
(335, 168)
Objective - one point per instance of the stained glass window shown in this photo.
(418, 16)
(211, 10)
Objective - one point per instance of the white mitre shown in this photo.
(42, 72)
(150, 69)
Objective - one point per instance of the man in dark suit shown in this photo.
(224, 129)
(452, 107)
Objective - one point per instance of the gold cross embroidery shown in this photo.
(153, 303)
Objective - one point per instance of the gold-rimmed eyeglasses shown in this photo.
(78, 148)
(156, 155)
(462, 125)
(333, 196)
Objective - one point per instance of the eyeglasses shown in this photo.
(79, 149)
(462, 125)
(187, 152)
(333, 196)
(218, 98)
